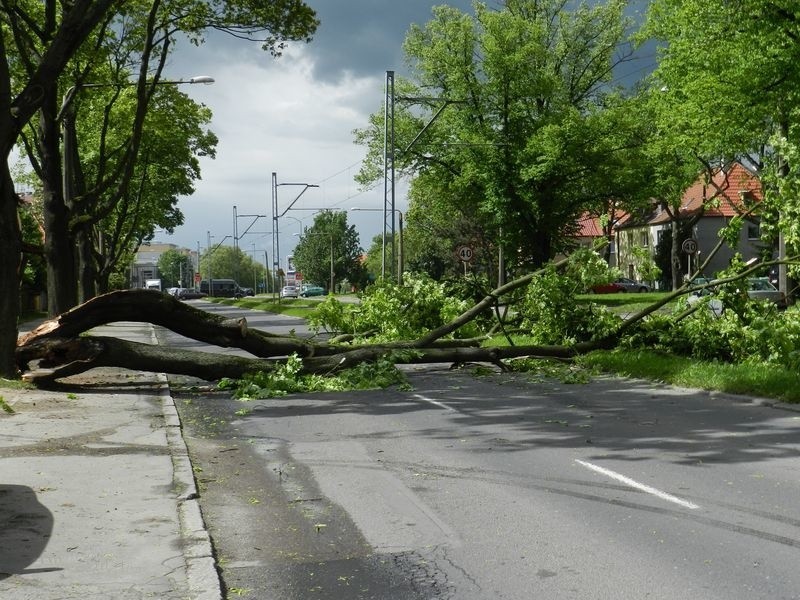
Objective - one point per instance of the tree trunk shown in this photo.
(65, 357)
(58, 344)
(75, 355)
(675, 256)
(10, 263)
(87, 269)
(59, 252)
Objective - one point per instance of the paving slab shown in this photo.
(97, 498)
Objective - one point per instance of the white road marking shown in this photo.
(434, 402)
(637, 485)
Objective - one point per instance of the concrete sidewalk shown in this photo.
(97, 496)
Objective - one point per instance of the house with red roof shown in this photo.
(708, 205)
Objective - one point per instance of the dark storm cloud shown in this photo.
(365, 37)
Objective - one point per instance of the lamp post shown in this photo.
(69, 159)
(330, 235)
(299, 222)
(209, 252)
(276, 249)
(65, 118)
(400, 256)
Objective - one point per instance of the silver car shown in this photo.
(760, 288)
(629, 285)
(288, 291)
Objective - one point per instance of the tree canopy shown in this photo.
(227, 262)
(50, 47)
(534, 132)
(727, 81)
(329, 252)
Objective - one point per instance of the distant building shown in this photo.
(145, 263)
(710, 205)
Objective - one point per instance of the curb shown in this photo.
(201, 568)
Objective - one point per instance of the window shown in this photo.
(753, 231)
(644, 239)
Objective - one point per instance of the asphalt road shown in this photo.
(502, 486)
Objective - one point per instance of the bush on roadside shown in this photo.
(551, 315)
(756, 332)
(389, 312)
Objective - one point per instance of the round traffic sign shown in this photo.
(689, 246)
(464, 253)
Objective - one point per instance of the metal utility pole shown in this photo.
(389, 156)
(388, 170)
(276, 249)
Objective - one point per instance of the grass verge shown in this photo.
(760, 380)
(293, 307)
(14, 384)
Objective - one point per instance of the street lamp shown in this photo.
(299, 222)
(400, 258)
(69, 149)
(330, 235)
(276, 249)
(209, 252)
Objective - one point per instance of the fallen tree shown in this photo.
(60, 347)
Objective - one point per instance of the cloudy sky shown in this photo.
(293, 116)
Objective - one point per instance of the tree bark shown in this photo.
(72, 356)
(58, 248)
(151, 306)
(63, 357)
(58, 345)
(10, 264)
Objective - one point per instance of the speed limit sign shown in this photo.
(689, 246)
(464, 253)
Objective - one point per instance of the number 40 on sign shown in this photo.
(464, 253)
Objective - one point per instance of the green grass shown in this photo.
(621, 298)
(760, 380)
(14, 384)
(294, 307)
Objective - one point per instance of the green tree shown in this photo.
(176, 269)
(128, 54)
(535, 134)
(226, 262)
(166, 169)
(731, 90)
(38, 42)
(26, 75)
(329, 252)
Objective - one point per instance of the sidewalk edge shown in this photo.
(201, 569)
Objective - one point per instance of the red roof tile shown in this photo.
(726, 190)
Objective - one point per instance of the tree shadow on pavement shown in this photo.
(620, 418)
(25, 528)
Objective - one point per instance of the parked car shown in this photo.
(630, 285)
(698, 281)
(189, 294)
(288, 291)
(607, 288)
(760, 288)
(248, 291)
(312, 290)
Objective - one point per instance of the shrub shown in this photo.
(551, 315)
(389, 312)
